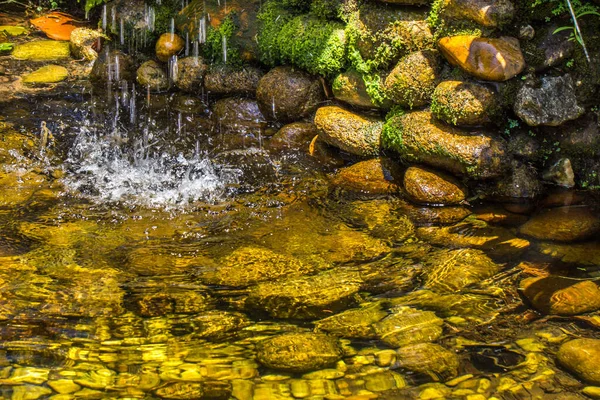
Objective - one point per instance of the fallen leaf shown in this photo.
(56, 25)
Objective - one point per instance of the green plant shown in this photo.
(219, 47)
(576, 14)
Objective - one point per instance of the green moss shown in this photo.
(314, 45)
(213, 48)
(326, 9)
(434, 19)
(393, 130)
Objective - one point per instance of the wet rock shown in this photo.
(42, 50)
(350, 87)
(299, 352)
(563, 224)
(586, 254)
(171, 301)
(551, 103)
(353, 323)
(429, 186)
(524, 146)
(412, 82)
(484, 58)
(417, 137)
(377, 176)
(452, 270)
(561, 173)
(484, 12)
(13, 30)
(252, 166)
(168, 45)
(577, 138)
(190, 74)
(238, 115)
(385, 34)
(82, 41)
(428, 358)
(347, 131)
(47, 74)
(247, 266)
(308, 297)
(188, 104)
(217, 325)
(151, 75)
(464, 103)
(520, 185)
(286, 94)
(29, 392)
(407, 326)
(380, 218)
(111, 67)
(223, 80)
(294, 136)
(557, 295)
(496, 241)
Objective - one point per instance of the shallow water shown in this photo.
(157, 260)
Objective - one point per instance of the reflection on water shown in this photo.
(281, 290)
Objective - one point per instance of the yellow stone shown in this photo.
(64, 386)
(592, 391)
(42, 50)
(13, 30)
(47, 74)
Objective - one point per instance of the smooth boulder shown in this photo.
(484, 58)
(348, 131)
(286, 94)
(377, 176)
(581, 357)
(168, 45)
(429, 186)
(47, 74)
(417, 137)
(557, 295)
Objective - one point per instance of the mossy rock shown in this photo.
(47, 74)
(248, 266)
(417, 137)
(463, 103)
(299, 352)
(353, 133)
(191, 73)
(492, 13)
(42, 50)
(412, 82)
(308, 297)
(350, 87)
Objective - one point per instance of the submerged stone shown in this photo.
(581, 357)
(417, 137)
(429, 186)
(299, 352)
(353, 323)
(435, 215)
(428, 358)
(563, 224)
(348, 131)
(412, 82)
(372, 177)
(217, 324)
(496, 241)
(559, 295)
(484, 58)
(42, 50)
(551, 103)
(586, 254)
(307, 297)
(381, 218)
(452, 270)
(238, 116)
(406, 326)
(248, 266)
(286, 94)
(180, 391)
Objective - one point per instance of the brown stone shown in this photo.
(168, 45)
(293, 136)
(563, 224)
(373, 177)
(484, 12)
(464, 103)
(428, 186)
(484, 58)
(435, 215)
(559, 295)
(348, 131)
(412, 82)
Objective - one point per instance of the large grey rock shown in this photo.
(552, 103)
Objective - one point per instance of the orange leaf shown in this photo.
(55, 25)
